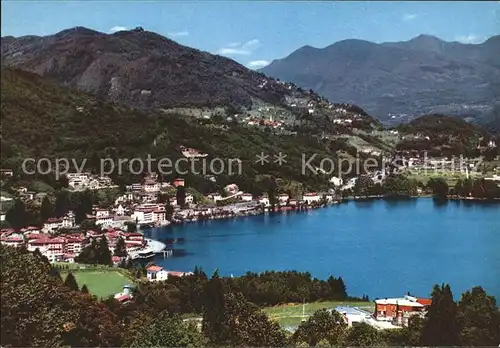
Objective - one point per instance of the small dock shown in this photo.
(167, 253)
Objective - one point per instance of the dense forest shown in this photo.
(43, 120)
(40, 309)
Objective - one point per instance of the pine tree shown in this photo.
(71, 283)
(61, 207)
(46, 210)
(169, 210)
(16, 216)
(103, 256)
(213, 311)
(120, 248)
(85, 290)
(84, 207)
(478, 319)
(440, 328)
(181, 196)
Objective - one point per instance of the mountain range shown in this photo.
(137, 67)
(397, 81)
(393, 81)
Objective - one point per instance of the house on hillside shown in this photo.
(214, 197)
(246, 197)
(157, 273)
(6, 172)
(178, 182)
(336, 181)
(399, 310)
(126, 295)
(311, 197)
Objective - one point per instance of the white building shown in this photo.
(151, 186)
(100, 212)
(104, 221)
(215, 197)
(53, 224)
(336, 181)
(283, 198)
(143, 215)
(231, 189)
(246, 197)
(311, 197)
(52, 248)
(159, 215)
(78, 181)
(157, 273)
(352, 315)
(264, 200)
(120, 211)
(14, 240)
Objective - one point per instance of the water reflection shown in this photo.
(440, 202)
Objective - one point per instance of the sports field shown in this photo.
(102, 283)
(291, 314)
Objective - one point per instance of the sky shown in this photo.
(256, 32)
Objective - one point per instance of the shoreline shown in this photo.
(345, 200)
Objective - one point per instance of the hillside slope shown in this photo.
(442, 135)
(401, 80)
(140, 68)
(41, 119)
(144, 70)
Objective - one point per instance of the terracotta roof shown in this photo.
(424, 301)
(34, 235)
(123, 298)
(177, 274)
(75, 239)
(12, 239)
(154, 268)
(132, 234)
(47, 240)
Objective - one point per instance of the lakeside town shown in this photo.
(155, 203)
(269, 174)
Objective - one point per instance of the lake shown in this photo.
(380, 248)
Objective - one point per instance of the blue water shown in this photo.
(379, 248)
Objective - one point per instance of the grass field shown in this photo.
(291, 314)
(451, 178)
(101, 283)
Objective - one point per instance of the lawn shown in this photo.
(451, 178)
(291, 314)
(101, 283)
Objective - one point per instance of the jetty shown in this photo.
(152, 248)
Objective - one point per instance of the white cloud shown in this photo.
(238, 49)
(251, 45)
(117, 28)
(257, 64)
(409, 16)
(227, 51)
(179, 33)
(468, 39)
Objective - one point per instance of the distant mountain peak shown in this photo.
(398, 80)
(77, 31)
(139, 68)
(426, 38)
